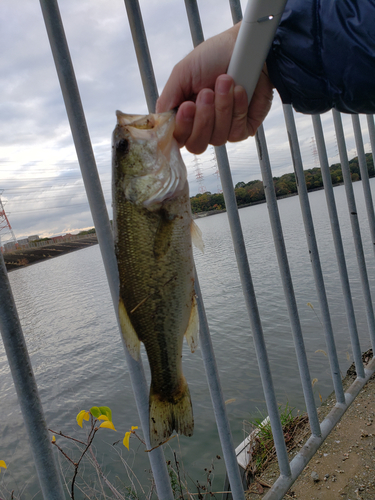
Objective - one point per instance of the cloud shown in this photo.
(39, 171)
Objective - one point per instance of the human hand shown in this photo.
(212, 109)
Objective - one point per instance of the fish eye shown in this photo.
(123, 146)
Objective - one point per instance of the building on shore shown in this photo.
(32, 238)
(9, 246)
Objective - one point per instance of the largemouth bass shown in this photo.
(152, 228)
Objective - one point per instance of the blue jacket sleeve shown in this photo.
(323, 56)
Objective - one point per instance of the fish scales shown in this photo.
(152, 224)
(153, 288)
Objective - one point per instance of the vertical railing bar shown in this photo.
(286, 279)
(371, 133)
(140, 43)
(218, 401)
(355, 224)
(236, 11)
(261, 351)
(143, 53)
(246, 281)
(313, 251)
(250, 298)
(335, 227)
(252, 307)
(73, 104)
(194, 19)
(27, 391)
(364, 176)
(212, 374)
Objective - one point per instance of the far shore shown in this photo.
(28, 256)
(199, 215)
(25, 257)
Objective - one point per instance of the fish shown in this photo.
(153, 232)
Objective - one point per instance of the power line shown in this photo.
(53, 208)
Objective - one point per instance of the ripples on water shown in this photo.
(77, 355)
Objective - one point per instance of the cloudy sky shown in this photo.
(40, 180)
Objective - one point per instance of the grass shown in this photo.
(263, 451)
(93, 478)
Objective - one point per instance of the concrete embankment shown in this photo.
(26, 256)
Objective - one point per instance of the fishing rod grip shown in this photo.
(253, 43)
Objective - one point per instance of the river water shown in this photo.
(77, 355)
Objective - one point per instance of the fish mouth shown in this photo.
(163, 174)
(143, 122)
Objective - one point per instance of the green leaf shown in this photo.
(106, 411)
(95, 412)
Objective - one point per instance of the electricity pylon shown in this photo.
(5, 226)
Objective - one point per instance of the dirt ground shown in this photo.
(344, 466)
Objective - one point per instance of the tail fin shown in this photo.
(169, 415)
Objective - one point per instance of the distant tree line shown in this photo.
(88, 231)
(252, 192)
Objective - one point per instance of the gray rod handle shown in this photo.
(255, 36)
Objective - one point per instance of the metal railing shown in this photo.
(11, 329)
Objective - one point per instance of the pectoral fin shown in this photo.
(196, 236)
(131, 338)
(191, 333)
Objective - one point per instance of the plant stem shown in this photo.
(63, 452)
(110, 485)
(178, 474)
(59, 433)
(90, 440)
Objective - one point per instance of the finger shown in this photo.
(224, 87)
(239, 131)
(203, 122)
(184, 122)
(260, 103)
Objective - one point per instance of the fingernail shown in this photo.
(223, 84)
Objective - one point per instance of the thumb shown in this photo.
(175, 92)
